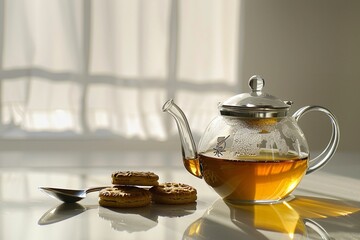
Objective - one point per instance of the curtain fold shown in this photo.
(104, 68)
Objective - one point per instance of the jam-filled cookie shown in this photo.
(135, 178)
(173, 193)
(124, 197)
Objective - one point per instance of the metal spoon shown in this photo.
(69, 195)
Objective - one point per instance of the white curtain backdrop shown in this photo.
(100, 68)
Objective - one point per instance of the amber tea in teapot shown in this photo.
(263, 177)
(253, 152)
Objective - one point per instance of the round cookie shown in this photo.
(173, 193)
(124, 197)
(135, 178)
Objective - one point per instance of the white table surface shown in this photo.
(327, 200)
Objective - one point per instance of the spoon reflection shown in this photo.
(61, 212)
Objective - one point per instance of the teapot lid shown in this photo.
(256, 104)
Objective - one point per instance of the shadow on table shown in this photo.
(144, 218)
(126, 219)
(301, 218)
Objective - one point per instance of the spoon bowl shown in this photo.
(69, 195)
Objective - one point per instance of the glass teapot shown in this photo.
(253, 152)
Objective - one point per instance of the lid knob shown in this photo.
(256, 83)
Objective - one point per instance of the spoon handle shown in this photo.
(95, 189)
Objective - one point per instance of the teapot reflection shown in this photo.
(295, 219)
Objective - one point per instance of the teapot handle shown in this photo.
(320, 161)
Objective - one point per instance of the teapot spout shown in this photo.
(188, 147)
